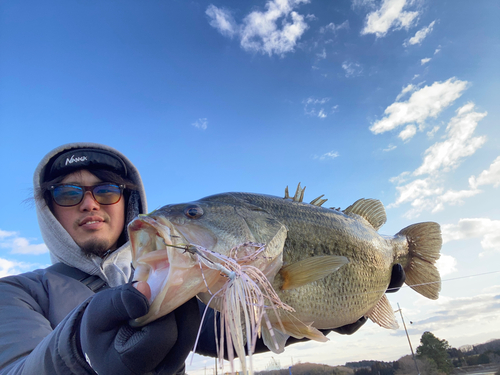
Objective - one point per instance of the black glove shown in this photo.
(111, 346)
(398, 278)
(348, 329)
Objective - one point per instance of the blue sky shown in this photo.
(394, 99)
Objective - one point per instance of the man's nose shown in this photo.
(89, 203)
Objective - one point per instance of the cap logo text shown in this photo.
(75, 160)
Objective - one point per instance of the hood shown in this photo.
(115, 269)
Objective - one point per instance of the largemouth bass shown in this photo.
(324, 268)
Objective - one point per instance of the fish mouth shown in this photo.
(161, 257)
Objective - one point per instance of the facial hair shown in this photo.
(95, 247)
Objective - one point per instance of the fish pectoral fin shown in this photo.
(310, 269)
(383, 314)
(370, 209)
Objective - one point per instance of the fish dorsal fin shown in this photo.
(318, 201)
(310, 269)
(371, 209)
(383, 314)
(299, 194)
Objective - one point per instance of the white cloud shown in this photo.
(201, 123)
(446, 264)
(408, 133)
(489, 176)
(20, 245)
(4, 234)
(222, 20)
(334, 28)
(314, 107)
(458, 145)
(433, 132)
(429, 193)
(406, 90)
(420, 35)
(452, 198)
(390, 15)
(8, 267)
(417, 192)
(328, 155)
(427, 102)
(352, 69)
(390, 148)
(363, 3)
(486, 229)
(425, 61)
(462, 311)
(437, 50)
(275, 31)
(322, 55)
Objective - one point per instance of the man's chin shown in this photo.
(95, 247)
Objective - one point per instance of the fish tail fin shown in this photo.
(424, 243)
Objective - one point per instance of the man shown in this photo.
(52, 321)
(72, 317)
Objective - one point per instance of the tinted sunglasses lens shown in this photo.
(67, 195)
(107, 194)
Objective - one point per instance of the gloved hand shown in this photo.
(111, 346)
(398, 278)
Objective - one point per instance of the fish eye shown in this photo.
(193, 212)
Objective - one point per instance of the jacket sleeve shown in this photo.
(30, 344)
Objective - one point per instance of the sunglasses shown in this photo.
(70, 195)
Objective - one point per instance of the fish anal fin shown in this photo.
(383, 314)
(309, 270)
(370, 209)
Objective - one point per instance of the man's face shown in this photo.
(94, 227)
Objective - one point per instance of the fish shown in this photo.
(298, 267)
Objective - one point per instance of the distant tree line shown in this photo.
(433, 357)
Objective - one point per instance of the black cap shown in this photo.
(86, 158)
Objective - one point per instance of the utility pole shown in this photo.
(409, 342)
